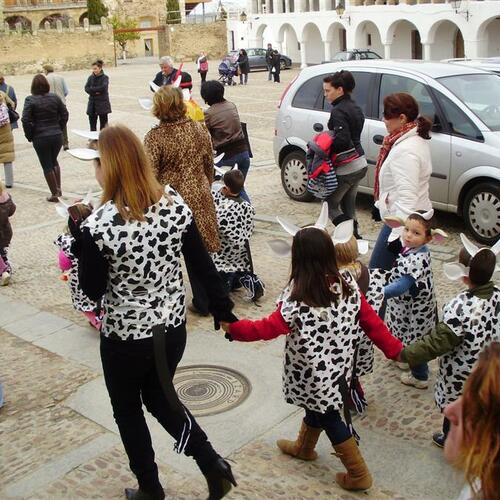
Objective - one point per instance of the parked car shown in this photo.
(464, 103)
(487, 63)
(257, 59)
(355, 55)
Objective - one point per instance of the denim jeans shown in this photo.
(331, 422)
(381, 257)
(343, 199)
(270, 72)
(421, 372)
(243, 161)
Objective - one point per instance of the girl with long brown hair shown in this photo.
(319, 311)
(129, 253)
(473, 442)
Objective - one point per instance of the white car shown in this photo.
(464, 103)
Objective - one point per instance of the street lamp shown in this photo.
(455, 4)
(340, 9)
(243, 17)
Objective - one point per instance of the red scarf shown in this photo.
(386, 147)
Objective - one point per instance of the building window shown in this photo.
(145, 24)
(369, 40)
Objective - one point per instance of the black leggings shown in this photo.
(103, 121)
(131, 379)
(47, 149)
(331, 422)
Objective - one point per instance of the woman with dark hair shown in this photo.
(129, 252)
(403, 169)
(346, 120)
(243, 66)
(44, 118)
(223, 123)
(181, 154)
(97, 89)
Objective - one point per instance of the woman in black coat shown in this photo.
(276, 66)
(97, 89)
(244, 66)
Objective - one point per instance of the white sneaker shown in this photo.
(409, 379)
(4, 279)
(403, 366)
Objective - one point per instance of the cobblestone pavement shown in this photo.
(50, 450)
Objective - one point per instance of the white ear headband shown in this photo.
(62, 208)
(93, 135)
(153, 86)
(84, 154)
(394, 222)
(146, 103)
(426, 215)
(473, 249)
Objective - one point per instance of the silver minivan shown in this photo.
(464, 104)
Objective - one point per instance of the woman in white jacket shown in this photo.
(403, 169)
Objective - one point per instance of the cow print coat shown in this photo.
(235, 219)
(145, 285)
(476, 321)
(413, 314)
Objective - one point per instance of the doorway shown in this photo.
(148, 47)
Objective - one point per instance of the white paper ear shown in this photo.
(146, 104)
(394, 222)
(363, 246)
(153, 86)
(177, 81)
(468, 245)
(93, 135)
(290, 228)
(62, 210)
(438, 235)
(84, 154)
(323, 217)
(455, 271)
(218, 158)
(186, 94)
(219, 170)
(235, 167)
(427, 215)
(343, 232)
(496, 248)
(88, 200)
(280, 247)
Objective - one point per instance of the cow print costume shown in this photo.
(476, 321)
(146, 253)
(80, 301)
(319, 350)
(413, 314)
(235, 219)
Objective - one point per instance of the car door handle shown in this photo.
(318, 127)
(378, 139)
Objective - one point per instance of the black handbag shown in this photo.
(13, 114)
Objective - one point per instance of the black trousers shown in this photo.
(331, 422)
(203, 76)
(132, 379)
(200, 297)
(103, 121)
(47, 149)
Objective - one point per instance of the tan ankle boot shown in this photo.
(358, 476)
(303, 447)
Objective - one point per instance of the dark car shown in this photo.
(257, 59)
(355, 55)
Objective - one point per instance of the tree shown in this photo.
(96, 10)
(123, 38)
(173, 12)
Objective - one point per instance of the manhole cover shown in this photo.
(208, 390)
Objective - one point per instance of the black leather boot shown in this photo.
(356, 230)
(133, 494)
(219, 479)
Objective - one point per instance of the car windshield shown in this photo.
(340, 56)
(480, 93)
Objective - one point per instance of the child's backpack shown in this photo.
(321, 175)
(253, 285)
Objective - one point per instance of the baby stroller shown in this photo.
(227, 71)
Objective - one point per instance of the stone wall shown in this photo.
(26, 53)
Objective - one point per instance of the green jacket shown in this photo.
(442, 339)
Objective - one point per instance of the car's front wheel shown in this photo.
(282, 64)
(482, 212)
(294, 176)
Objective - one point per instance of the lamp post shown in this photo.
(455, 5)
(340, 9)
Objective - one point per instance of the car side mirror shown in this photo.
(318, 127)
(436, 127)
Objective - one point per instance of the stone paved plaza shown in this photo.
(58, 438)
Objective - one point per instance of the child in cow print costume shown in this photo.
(470, 322)
(371, 282)
(68, 264)
(235, 218)
(319, 311)
(411, 304)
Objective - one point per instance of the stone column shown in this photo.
(426, 51)
(287, 6)
(387, 50)
(328, 50)
(379, 2)
(303, 55)
(278, 6)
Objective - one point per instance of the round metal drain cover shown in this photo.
(209, 390)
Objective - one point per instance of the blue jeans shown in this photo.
(421, 372)
(331, 422)
(381, 257)
(270, 72)
(243, 161)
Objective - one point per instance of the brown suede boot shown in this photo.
(303, 447)
(50, 178)
(358, 476)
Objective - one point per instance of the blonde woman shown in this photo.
(7, 154)
(180, 151)
(129, 253)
